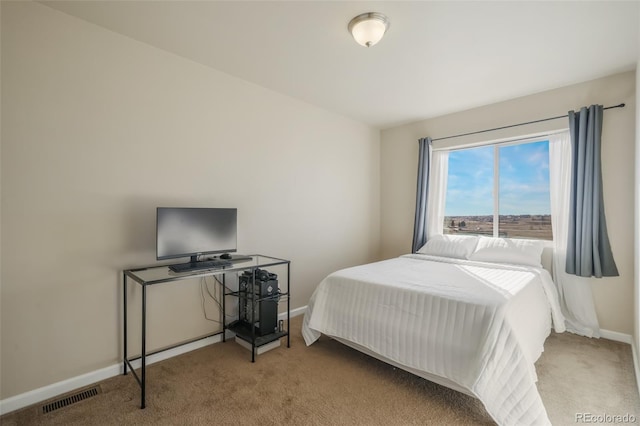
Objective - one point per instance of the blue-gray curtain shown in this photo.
(588, 249)
(424, 165)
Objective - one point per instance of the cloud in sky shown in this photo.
(524, 180)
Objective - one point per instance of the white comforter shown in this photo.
(479, 325)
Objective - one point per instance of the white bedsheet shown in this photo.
(477, 324)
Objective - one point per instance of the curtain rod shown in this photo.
(516, 125)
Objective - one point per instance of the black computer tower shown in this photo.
(265, 312)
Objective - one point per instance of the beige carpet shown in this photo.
(330, 384)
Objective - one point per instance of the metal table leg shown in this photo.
(143, 358)
(288, 305)
(124, 298)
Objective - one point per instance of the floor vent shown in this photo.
(70, 399)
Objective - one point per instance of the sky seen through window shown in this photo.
(523, 174)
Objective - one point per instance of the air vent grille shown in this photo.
(70, 399)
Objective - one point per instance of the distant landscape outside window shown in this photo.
(522, 179)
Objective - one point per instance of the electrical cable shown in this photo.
(204, 309)
(204, 284)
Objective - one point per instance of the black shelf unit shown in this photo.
(247, 330)
(243, 331)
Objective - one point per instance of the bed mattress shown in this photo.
(479, 326)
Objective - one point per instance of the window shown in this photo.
(499, 190)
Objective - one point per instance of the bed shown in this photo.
(454, 313)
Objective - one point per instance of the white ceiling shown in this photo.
(436, 58)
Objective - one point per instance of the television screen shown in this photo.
(187, 231)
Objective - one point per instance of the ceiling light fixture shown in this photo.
(367, 29)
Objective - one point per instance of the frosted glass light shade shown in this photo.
(367, 29)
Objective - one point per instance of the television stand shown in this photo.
(159, 274)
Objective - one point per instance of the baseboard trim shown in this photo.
(42, 394)
(294, 312)
(615, 336)
(50, 391)
(636, 362)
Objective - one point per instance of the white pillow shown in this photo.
(507, 250)
(457, 246)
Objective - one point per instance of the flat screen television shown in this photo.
(193, 231)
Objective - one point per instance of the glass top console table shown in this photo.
(161, 274)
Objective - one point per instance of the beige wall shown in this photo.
(0, 206)
(98, 131)
(637, 220)
(399, 150)
(636, 336)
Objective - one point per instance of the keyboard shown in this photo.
(207, 264)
